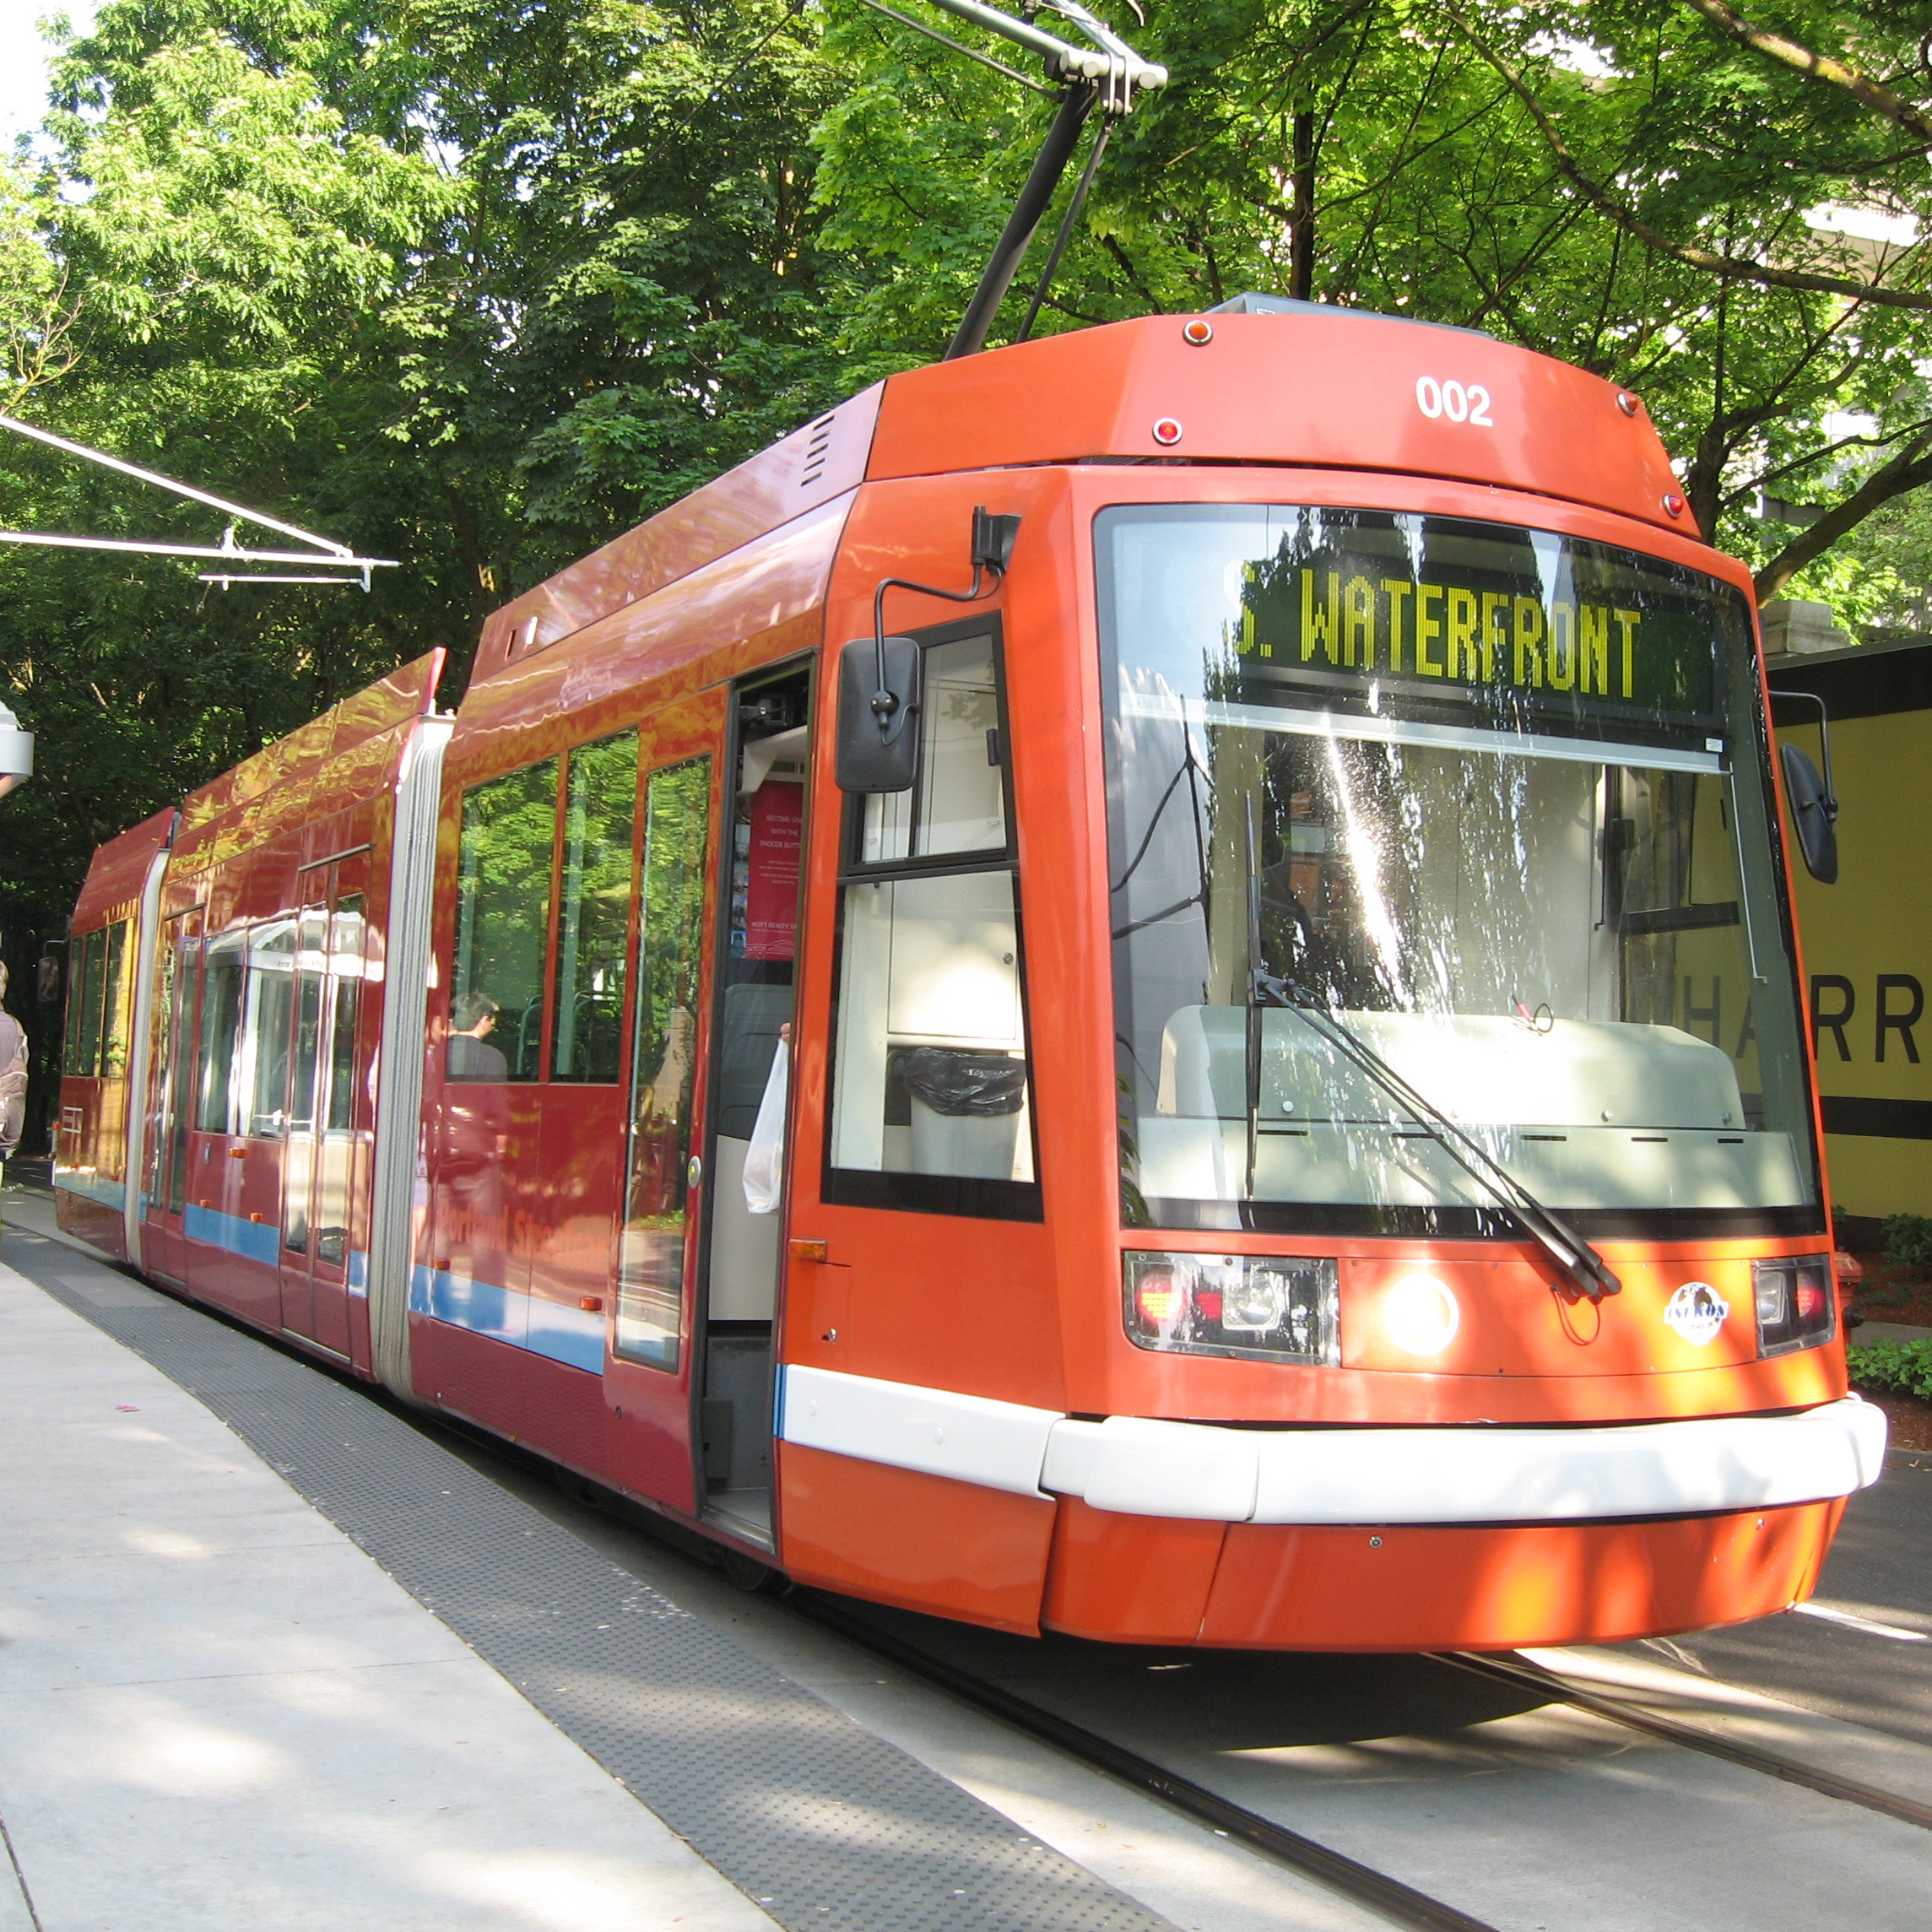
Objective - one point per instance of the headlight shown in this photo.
(1420, 1315)
(1796, 1307)
(1265, 1307)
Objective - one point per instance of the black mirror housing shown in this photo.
(878, 748)
(1810, 815)
(992, 540)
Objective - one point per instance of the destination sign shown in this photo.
(1500, 619)
(1439, 630)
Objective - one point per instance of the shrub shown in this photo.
(1896, 1368)
(1908, 1240)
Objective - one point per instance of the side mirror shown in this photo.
(47, 972)
(1812, 811)
(878, 748)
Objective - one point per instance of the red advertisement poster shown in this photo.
(771, 882)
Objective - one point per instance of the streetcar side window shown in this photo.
(94, 1042)
(959, 802)
(115, 1015)
(503, 912)
(651, 1249)
(345, 944)
(593, 909)
(267, 1003)
(76, 1003)
(931, 1099)
(223, 965)
(92, 961)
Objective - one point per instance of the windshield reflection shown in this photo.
(1556, 930)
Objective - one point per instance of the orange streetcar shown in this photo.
(1142, 984)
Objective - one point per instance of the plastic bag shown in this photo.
(954, 1080)
(764, 1157)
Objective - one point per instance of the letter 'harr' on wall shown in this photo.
(1833, 1023)
(1901, 1023)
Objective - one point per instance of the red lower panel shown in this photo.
(250, 1289)
(360, 1351)
(918, 1541)
(1132, 1579)
(98, 1225)
(1434, 1588)
(558, 1411)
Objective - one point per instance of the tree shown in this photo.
(476, 284)
(463, 283)
(1628, 184)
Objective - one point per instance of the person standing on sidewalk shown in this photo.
(12, 1077)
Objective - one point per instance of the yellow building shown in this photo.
(1867, 941)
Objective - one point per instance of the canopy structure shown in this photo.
(320, 553)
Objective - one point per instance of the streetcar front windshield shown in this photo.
(1485, 806)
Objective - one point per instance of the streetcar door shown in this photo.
(649, 1372)
(171, 1096)
(324, 1131)
(752, 1000)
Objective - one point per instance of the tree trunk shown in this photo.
(1301, 217)
(1910, 468)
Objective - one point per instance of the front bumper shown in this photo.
(1466, 1474)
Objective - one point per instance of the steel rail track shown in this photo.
(1400, 1904)
(1523, 1676)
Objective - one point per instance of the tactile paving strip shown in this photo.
(827, 1828)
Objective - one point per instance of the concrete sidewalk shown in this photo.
(217, 1712)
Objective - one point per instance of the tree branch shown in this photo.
(1756, 484)
(1132, 273)
(1819, 67)
(1908, 470)
(1728, 266)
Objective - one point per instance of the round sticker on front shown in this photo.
(1697, 1312)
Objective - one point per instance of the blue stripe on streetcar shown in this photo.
(572, 1336)
(259, 1241)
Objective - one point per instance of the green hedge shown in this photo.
(1896, 1368)
(1908, 1240)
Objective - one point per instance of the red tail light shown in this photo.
(1795, 1306)
(1265, 1307)
(1160, 1300)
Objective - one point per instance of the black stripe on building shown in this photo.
(1879, 1119)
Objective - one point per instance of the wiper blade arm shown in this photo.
(1572, 1255)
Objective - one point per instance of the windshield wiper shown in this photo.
(1572, 1255)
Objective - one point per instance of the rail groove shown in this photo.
(1635, 1717)
(1400, 1904)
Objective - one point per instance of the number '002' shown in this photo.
(1451, 400)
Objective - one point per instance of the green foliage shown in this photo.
(1908, 1240)
(1892, 1368)
(1432, 188)
(474, 284)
